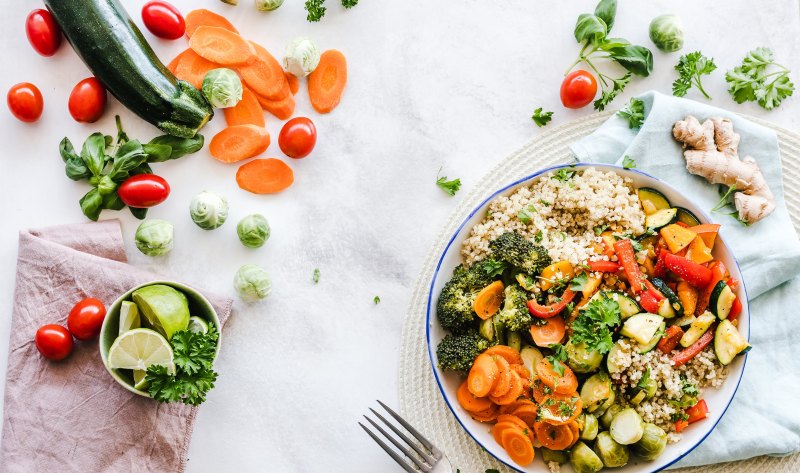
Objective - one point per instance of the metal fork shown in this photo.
(426, 458)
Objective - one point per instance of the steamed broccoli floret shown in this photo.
(515, 314)
(454, 307)
(518, 251)
(457, 352)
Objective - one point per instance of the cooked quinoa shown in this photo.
(561, 215)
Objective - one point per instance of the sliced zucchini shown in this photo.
(531, 356)
(665, 309)
(646, 347)
(644, 391)
(721, 301)
(656, 199)
(642, 327)
(627, 427)
(595, 391)
(589, 426)
(627, 306)
(728, 342)
(581, 359)
(638, 398)
(661, 219)
(661, 285)
(687, 217)
(514, 340)
(612, 363)
(557, 456)
(698, 328)
(684, 321)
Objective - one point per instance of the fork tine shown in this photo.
(420, 464)
(388, 450)
(428, 458)
(414, 432)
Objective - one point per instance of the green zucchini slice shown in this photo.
(721, 301)
(661, 219)
(697, 329)
(627, 306)
(686, 216)
(728, 342)
(653, 196)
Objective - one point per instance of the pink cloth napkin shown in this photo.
(71, 416)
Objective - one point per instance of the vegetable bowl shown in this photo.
(592, 316)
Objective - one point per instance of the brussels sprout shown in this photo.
(584, 460)
(154, 237)
(596, 391)
(301, 57)
(589, 426)
(610, 452)
(253, 231)
(582, 360)
(652, 443)
(666, 32)
(268, 5)
(208, 211)
(252, 283)
(627, 426)
(222, 87)
(608, 415)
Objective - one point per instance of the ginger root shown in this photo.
(713, 153)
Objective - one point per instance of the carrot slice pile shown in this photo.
(265, 76)
(202, 17)
(559, 409)
(247, 112)
(504, 381)
(562, 384)
(221, 46)
(326, 83)
(554, 437)
(236, 143)
(193, 68)
(511, 355)
(513, 393)
(483, 375)
(282, 109)
(471, 402)
(173, 65)
(265, 176)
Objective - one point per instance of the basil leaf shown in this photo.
(590, 28)
(106, 185)
(143, 168)
(94, 153)
(76, 169)
(129, 156)
(611, 43)
(157, 153)
(141, 214)
(113, 202)
(636, 59)
(607, 10)
(66, 150)
(92, 204)
(180, 146)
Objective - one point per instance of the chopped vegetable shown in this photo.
(666, 32)
(301, 57)
(203, 17)
(688, 353)
(634, 113)
(760, 79)
(265, 176)
(282, 109)
(326, 84)
(208, 210)
(154, 237)
(315, 10)
(624, 251)
(247, 112)
(690, 67)
(221, 46)
(551, 331)
(547, 311)
(192, 68)
(541, 118)
(488, 300)
(222, 87)
(693, 273)
(265, 77)
(670, 339)
(239, 142)
(252, 283)
(697, 412)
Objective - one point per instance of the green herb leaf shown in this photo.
(578, 282)
(349, 3)
(607, 10)
(644, 379)
(590, 28)
(609, 95)
(633, 112)
(538, 237)
(759, 78)
(494, 268)
(599, 229)
(315, 10)
(636, 59)
(451, 187)
(564, 174)
(376, 300)
(315, 276)
(690, 67)
(594, 323)
(194, 374)
(93, 153)
(541, 118)
(179, 147)
(92, 204)
(558, 357)
(628, 162)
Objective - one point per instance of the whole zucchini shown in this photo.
(108, 41)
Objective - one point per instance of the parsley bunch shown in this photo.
(316, 8)
(594, 324)
(753, 81)
(193, 354)
(690, 67)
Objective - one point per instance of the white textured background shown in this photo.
(432, 84)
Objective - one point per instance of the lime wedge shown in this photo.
(139, 381)
(129, 317)
(197, 325)
(139, 348)
(165, 308)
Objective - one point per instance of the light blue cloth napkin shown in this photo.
(764, 418)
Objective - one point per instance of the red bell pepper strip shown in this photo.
(718, 273)
(691, 272)
(547, 311)
(655, 292)
(627, 259)
(697, 412)
(670, 339)
(603, 266)
(660, 269)
(649, 302)
(680, 425)
(688, 353)
(736, 308)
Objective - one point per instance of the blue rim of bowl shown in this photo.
(477, 209)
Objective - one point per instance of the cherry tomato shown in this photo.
(43, 32)
(86, 318)
(25, 102)
(298, 137)
(87, 101)
(143, 190)
(54, 342)
(163, 20)
(578, 89)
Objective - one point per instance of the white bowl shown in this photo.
(718, 399)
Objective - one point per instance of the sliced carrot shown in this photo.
(265, 176)
(499, 427)
(282, 109)
(525, 376)
(293, 81)
(511, 355)
(173, 65)
(554, 437)
(504, 381)
(513, 394)
(513, 419)
(562, 384)
(488, 300)
(528, 413)
(550, 332)
(222, 46)
(576, 431)
(236, 143)
(558, 409)
(510, 408)
(470, 402)
(488, 415)
(265, 76)
(326, 83)
(202, 17)
(193, 68)
(518, 446)
(483, 375)
(247, 112)
(539, 390)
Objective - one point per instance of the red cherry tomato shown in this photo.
(86, 318)
(87, 102)
(54, 342)
(298, 137)
(43, 32)
(25, 102)
(578, 89)
(143, 190)
(163, 20)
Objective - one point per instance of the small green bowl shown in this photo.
(198, 306)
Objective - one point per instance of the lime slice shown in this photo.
(139, 348)
(139, 381)
(197, 325)
(165, 308)
(129, 317)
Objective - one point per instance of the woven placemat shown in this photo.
(420, 400)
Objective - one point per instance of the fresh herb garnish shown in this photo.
(541, 118)
(376, 300)
(315, 9)
(628, 162)
(451, 187)
(194, 372)
(752, 81)
(564, 174)
(558, 358)
(633, 112)
(349, 3)
(690, 67)
(538, 237)
(315, 276)
(645, 379)
(594, 323)
(545, 203)
(599, 229)
(578, 282)
(524, 217)
(493, 267)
